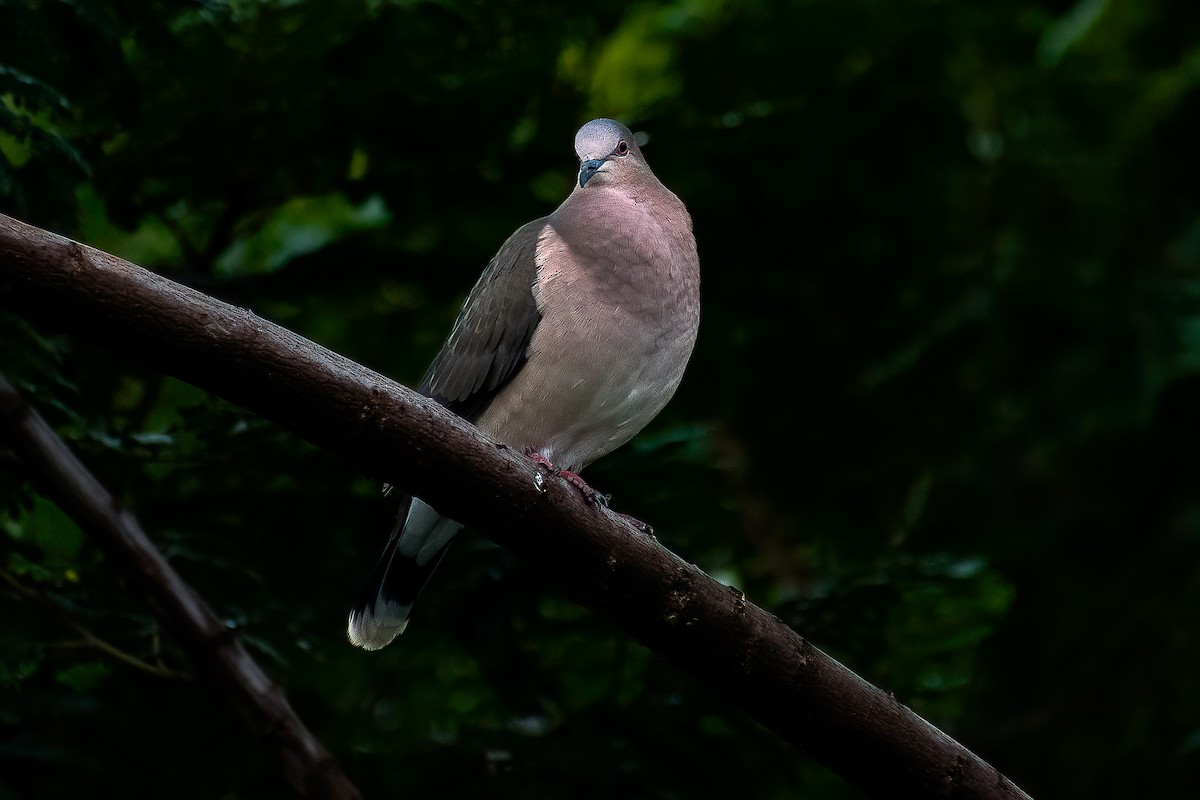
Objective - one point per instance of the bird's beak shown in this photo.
(589, 168)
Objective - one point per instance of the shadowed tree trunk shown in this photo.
(216, 652)
(389, 432)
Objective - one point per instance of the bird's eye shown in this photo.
(622, 148)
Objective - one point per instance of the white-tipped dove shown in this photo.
(574, 338)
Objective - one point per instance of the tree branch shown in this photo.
(394, 434)
(218, 655)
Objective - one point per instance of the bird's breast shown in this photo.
(616, 332)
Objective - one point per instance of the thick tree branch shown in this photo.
(389, 432)
(218, 655)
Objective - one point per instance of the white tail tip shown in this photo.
(374, 630)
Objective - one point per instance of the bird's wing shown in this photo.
(488, 343)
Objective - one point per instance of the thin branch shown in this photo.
(92, 640)
(218, 655)
(89, 639)
(393, 434)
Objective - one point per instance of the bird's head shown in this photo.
(606, 150)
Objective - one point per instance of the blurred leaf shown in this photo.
(83, 677)
(52, 531)
(301, 225)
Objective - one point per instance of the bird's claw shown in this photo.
(591, 495)
(539, 459)
(546, 468)
(637, 523)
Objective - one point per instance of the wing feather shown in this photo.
(489, 341)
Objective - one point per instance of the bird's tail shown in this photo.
(417, 544)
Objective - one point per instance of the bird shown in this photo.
(575, 336)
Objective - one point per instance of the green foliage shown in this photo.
(941, 417)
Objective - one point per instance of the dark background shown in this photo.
(942, 415)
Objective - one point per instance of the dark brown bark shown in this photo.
(391, 433)
(217, 654)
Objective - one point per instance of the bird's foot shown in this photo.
(589, 494)
(637, 523)
(540, 460)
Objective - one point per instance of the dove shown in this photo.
(575, 336)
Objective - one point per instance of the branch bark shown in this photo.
(217, 654)
(394, 434)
